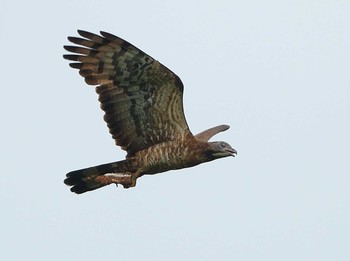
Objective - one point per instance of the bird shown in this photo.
(142, 102)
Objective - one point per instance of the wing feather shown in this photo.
(141, 98)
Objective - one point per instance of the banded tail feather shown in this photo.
(92, 178)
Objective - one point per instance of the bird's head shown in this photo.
(219, 149)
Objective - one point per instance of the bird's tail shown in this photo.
(92, 178)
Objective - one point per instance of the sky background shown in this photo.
(276, 71)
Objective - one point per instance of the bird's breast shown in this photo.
(169, 156)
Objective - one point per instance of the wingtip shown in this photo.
(68, 48)
(81, 32)
(225, 127)
(108, 35)
(65, 56)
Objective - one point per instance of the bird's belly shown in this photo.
(165, 157)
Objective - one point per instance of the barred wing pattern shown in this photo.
(141, 98)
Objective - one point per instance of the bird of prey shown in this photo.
(143, 106)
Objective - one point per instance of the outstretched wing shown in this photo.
(141, 98)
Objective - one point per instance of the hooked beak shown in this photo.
(233, 152)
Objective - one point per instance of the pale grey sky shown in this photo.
(276, 71)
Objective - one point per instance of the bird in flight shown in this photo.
(143, 105)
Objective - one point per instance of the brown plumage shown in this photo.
(142, 101)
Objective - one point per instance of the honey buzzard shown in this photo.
(142, 101)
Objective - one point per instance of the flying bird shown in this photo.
(143, 105)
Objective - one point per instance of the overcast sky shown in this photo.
(276, 71)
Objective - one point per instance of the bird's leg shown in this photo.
(125, 179)
(132, 180)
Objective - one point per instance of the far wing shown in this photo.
(207, 134)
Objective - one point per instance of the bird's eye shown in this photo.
(223, 145)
